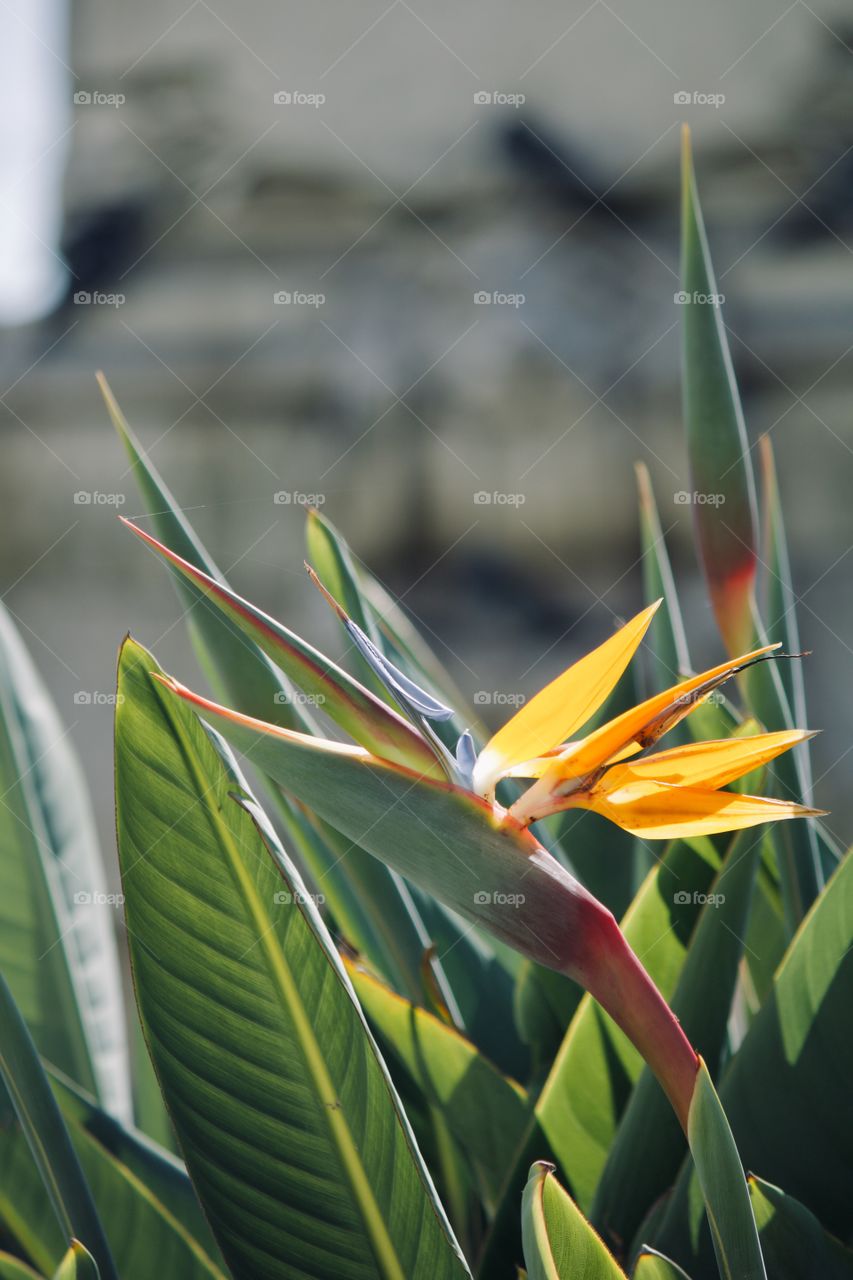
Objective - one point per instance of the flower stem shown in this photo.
(620, 984)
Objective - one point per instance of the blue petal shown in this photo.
(411, 695)
(466, 758)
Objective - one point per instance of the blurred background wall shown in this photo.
(277, 220)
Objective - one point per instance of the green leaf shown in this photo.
(485, 1111)
(78, 1264)
(46, 1134)
(291, 1130)
(793, 1242)
(13, 1269)
(665, 638)
(648, 1147)
(545, 1003)
(559, 1244)
(331, 559)
(374, 910)
(720, 467)
(358, 711)
(786, 1089)
(651, 1265)
(57, 948)
(779, 609)
(143, 1196)
(724, 1188)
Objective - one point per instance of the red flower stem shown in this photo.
(620, 984)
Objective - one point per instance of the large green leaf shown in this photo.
(559, 1244)
(794, 1243)
(648, 1147)
(57, 948)
(720, 467)
(485, 1111)
(46, 1135)
(291, 1130)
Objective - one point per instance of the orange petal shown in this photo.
(657, 811)
(714, 763)
(649, 720)
(562, 706)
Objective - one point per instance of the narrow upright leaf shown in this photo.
(723, 494)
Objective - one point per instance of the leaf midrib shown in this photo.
(282, 977)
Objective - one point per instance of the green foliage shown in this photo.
(389, 1032)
